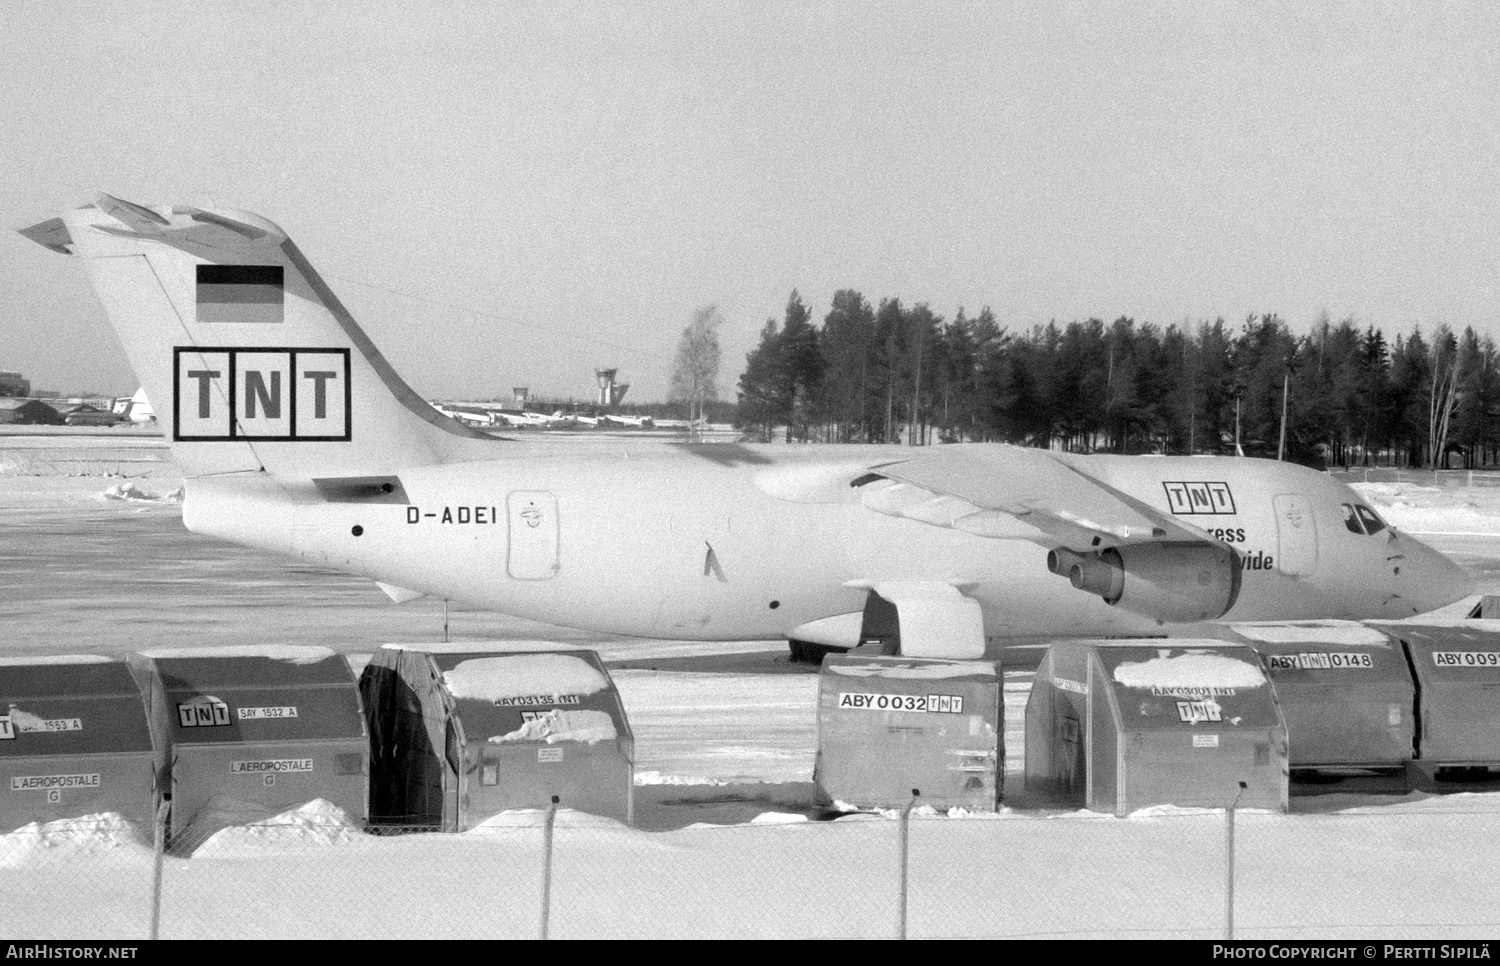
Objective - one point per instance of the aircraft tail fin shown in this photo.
(249, 359)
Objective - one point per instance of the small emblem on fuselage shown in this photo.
(1186, 497)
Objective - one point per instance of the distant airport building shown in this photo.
(611, 393)
(520, 394)
(14, 384)
(29, 412)
(606, 379)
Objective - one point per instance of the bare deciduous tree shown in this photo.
(1442, 394)
(695, 373)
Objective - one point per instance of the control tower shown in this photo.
(606, 379)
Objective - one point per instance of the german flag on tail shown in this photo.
(240, 293)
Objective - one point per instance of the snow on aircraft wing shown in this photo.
(1011, 492)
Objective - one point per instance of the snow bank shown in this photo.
(1330, 632)
(229, 827)
(657, 778)
(584, 726)
(1193, 669)
(537, 817)
(1476, 624)
(920, 672)
(291, 653)
(919, 811)
(129, 491)
(55, 659)
(523, 675)
(1432, 509)
(71, 838)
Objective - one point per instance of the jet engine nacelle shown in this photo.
(1173, 582)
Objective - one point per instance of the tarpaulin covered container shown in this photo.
(1120, 727)
(1457, 668)
(887, 725)
(247, 732)
(1346, 692)
(73, 742)
(458, 736)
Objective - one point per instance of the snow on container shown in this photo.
(1457, 668)
(248, 732)
(1120, 727)
(73, 742)
(1346, 692)
(460, 736)
(887, 725)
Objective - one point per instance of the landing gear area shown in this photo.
(806, 652)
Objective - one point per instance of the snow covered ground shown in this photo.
(1431, 507)
(729, 839)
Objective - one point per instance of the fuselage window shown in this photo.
(1351, 521)
(1373, 523)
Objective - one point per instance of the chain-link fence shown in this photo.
(127, 460)
(1422, 870)
(1447, 479)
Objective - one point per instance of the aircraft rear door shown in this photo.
(533, 535)
(1296, 535)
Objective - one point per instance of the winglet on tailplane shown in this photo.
(250, 360)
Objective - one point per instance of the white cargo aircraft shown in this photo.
(297, 436)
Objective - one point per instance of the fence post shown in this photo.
(547, 865)
(161, 848)
(901, 898)
(1229, 865)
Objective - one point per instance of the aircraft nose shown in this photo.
(1427, 579)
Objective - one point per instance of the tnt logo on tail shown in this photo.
(272, 395)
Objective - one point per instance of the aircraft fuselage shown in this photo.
(655, 540)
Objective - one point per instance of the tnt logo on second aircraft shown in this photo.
(266, 394)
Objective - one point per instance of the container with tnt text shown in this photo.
(888, 725)
(1119, 727)
(1345, 690)
(459, 734)
(1457, 668)
(73, 743)
(246, 733)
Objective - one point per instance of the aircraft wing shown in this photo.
(1011, 492)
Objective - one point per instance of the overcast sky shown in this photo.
(600, 170)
